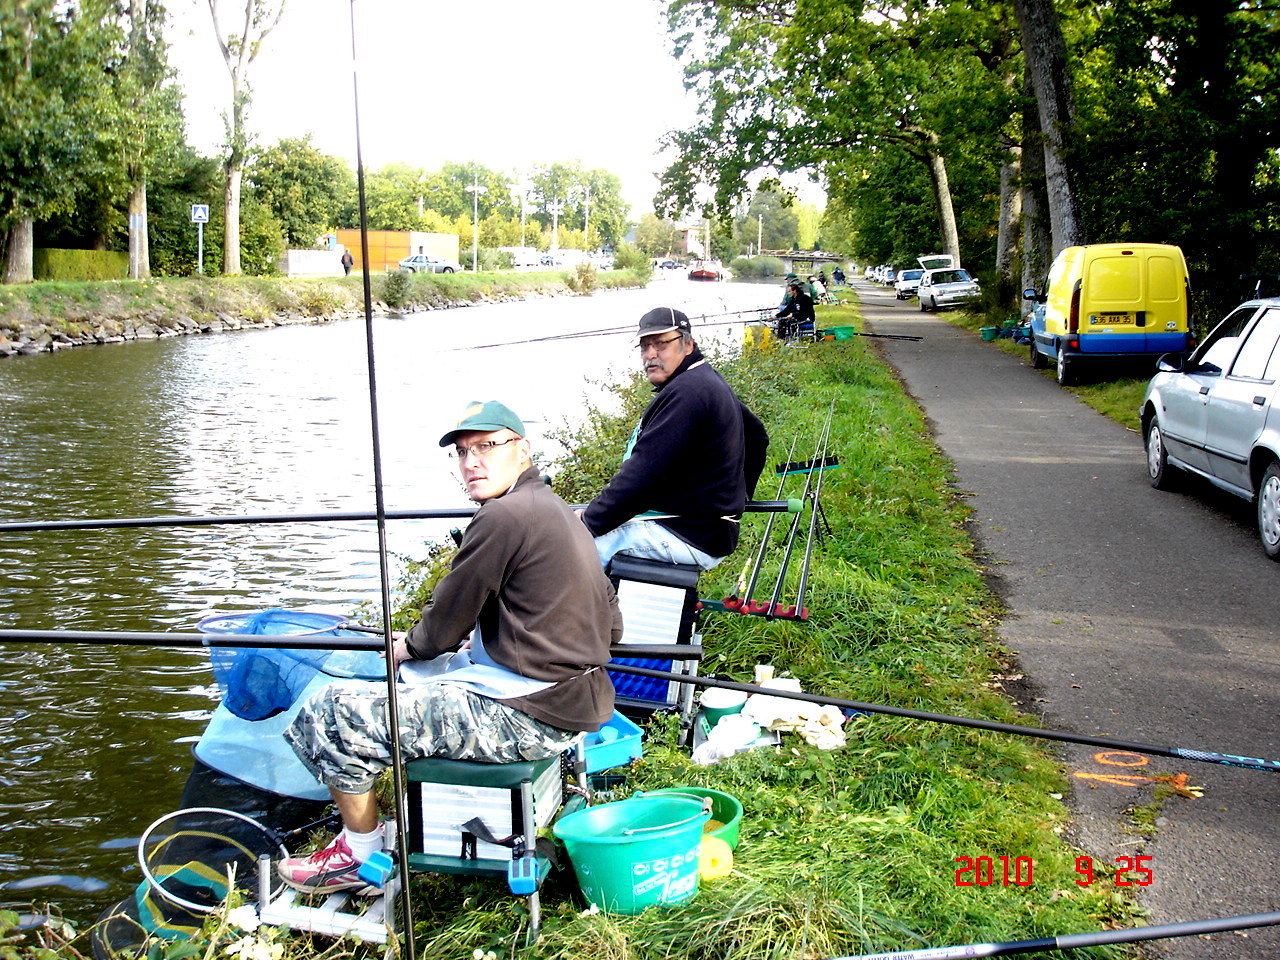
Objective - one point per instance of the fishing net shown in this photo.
(192, 859)
(258, 682)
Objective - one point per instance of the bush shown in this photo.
(627, 257)
(51, 264)
(758, 267)
(396, 289)
(582, 280)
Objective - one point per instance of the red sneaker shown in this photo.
(331, 870)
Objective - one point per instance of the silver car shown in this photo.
(1213, 414)
(947, 287)
(424, 263)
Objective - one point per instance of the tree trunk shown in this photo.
(231, 226)
(1010, 213)
(1045, 54)
(1036, 239)
(18, 266)
(942, 195)
(139, 245)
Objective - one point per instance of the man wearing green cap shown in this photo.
(504, 665)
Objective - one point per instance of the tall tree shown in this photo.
(304, 189)
(1046, 64)
(53, 89)
(148, 124)
(240, 47)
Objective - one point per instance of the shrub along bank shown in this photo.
(45, 316)
(852, 850)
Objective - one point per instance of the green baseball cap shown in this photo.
(484, 417)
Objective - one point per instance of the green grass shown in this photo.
(851, 850)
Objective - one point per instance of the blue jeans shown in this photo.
(650, 541)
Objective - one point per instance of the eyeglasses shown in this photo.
(481, 449)
(658, 344)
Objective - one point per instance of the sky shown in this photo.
(507, 83)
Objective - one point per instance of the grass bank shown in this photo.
(845, 851)
(855, 849)
(75, 309)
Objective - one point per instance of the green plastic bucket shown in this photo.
(989, 333)
(843, 333)
(726, 810)
(636, 853)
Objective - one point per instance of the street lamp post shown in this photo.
(759, 234)
(586, 219)
(475, 190)
(555, 208)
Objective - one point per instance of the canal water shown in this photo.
(95, 741)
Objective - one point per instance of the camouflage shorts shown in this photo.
(341, 734)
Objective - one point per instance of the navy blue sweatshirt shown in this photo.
(698, 453)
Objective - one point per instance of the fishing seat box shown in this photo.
(659, 603)
(445, 794)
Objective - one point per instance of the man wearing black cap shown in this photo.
(694, 458)
(505, 664)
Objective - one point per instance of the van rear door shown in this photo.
(1112, 304)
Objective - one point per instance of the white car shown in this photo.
(907, 283)
(949, 287)
(1214, 414)
(424, 263)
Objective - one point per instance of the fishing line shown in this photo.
(605, 331)
(764, 541)
(384, 564)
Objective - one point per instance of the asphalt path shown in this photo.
(1138, 614)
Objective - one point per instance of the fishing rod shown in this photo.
(823, 437)
(314, 642)
(433, 513)
(1075, 941)
(1108, 743)
(399, 787)
(604, 331)
(764, 541)
(813, 522)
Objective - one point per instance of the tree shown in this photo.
(304, 189)
(658, 238)
(53, 89)
(148, 125)
(239, 49)
(579, 194)
(1046, 64)
(795, 85)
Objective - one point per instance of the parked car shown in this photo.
(1110, 300)
(949, 287)
(425, 263)
(1214, 414)
(907, 283)
(670, 265)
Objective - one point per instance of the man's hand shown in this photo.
(400, 651)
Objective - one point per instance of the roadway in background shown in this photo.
(1139, 614)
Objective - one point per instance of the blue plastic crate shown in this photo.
(614, 744)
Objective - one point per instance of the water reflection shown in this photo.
(95, 741)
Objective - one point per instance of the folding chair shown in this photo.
(659, 604)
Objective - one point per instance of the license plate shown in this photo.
(1110, 318)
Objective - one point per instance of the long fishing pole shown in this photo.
(312, 642)
(813, 526)
(432, 513)
(1075, 941)
(764, 541)
(605, 331)
(823, 436)
(384, 565)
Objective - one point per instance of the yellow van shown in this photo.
(1110, 300)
